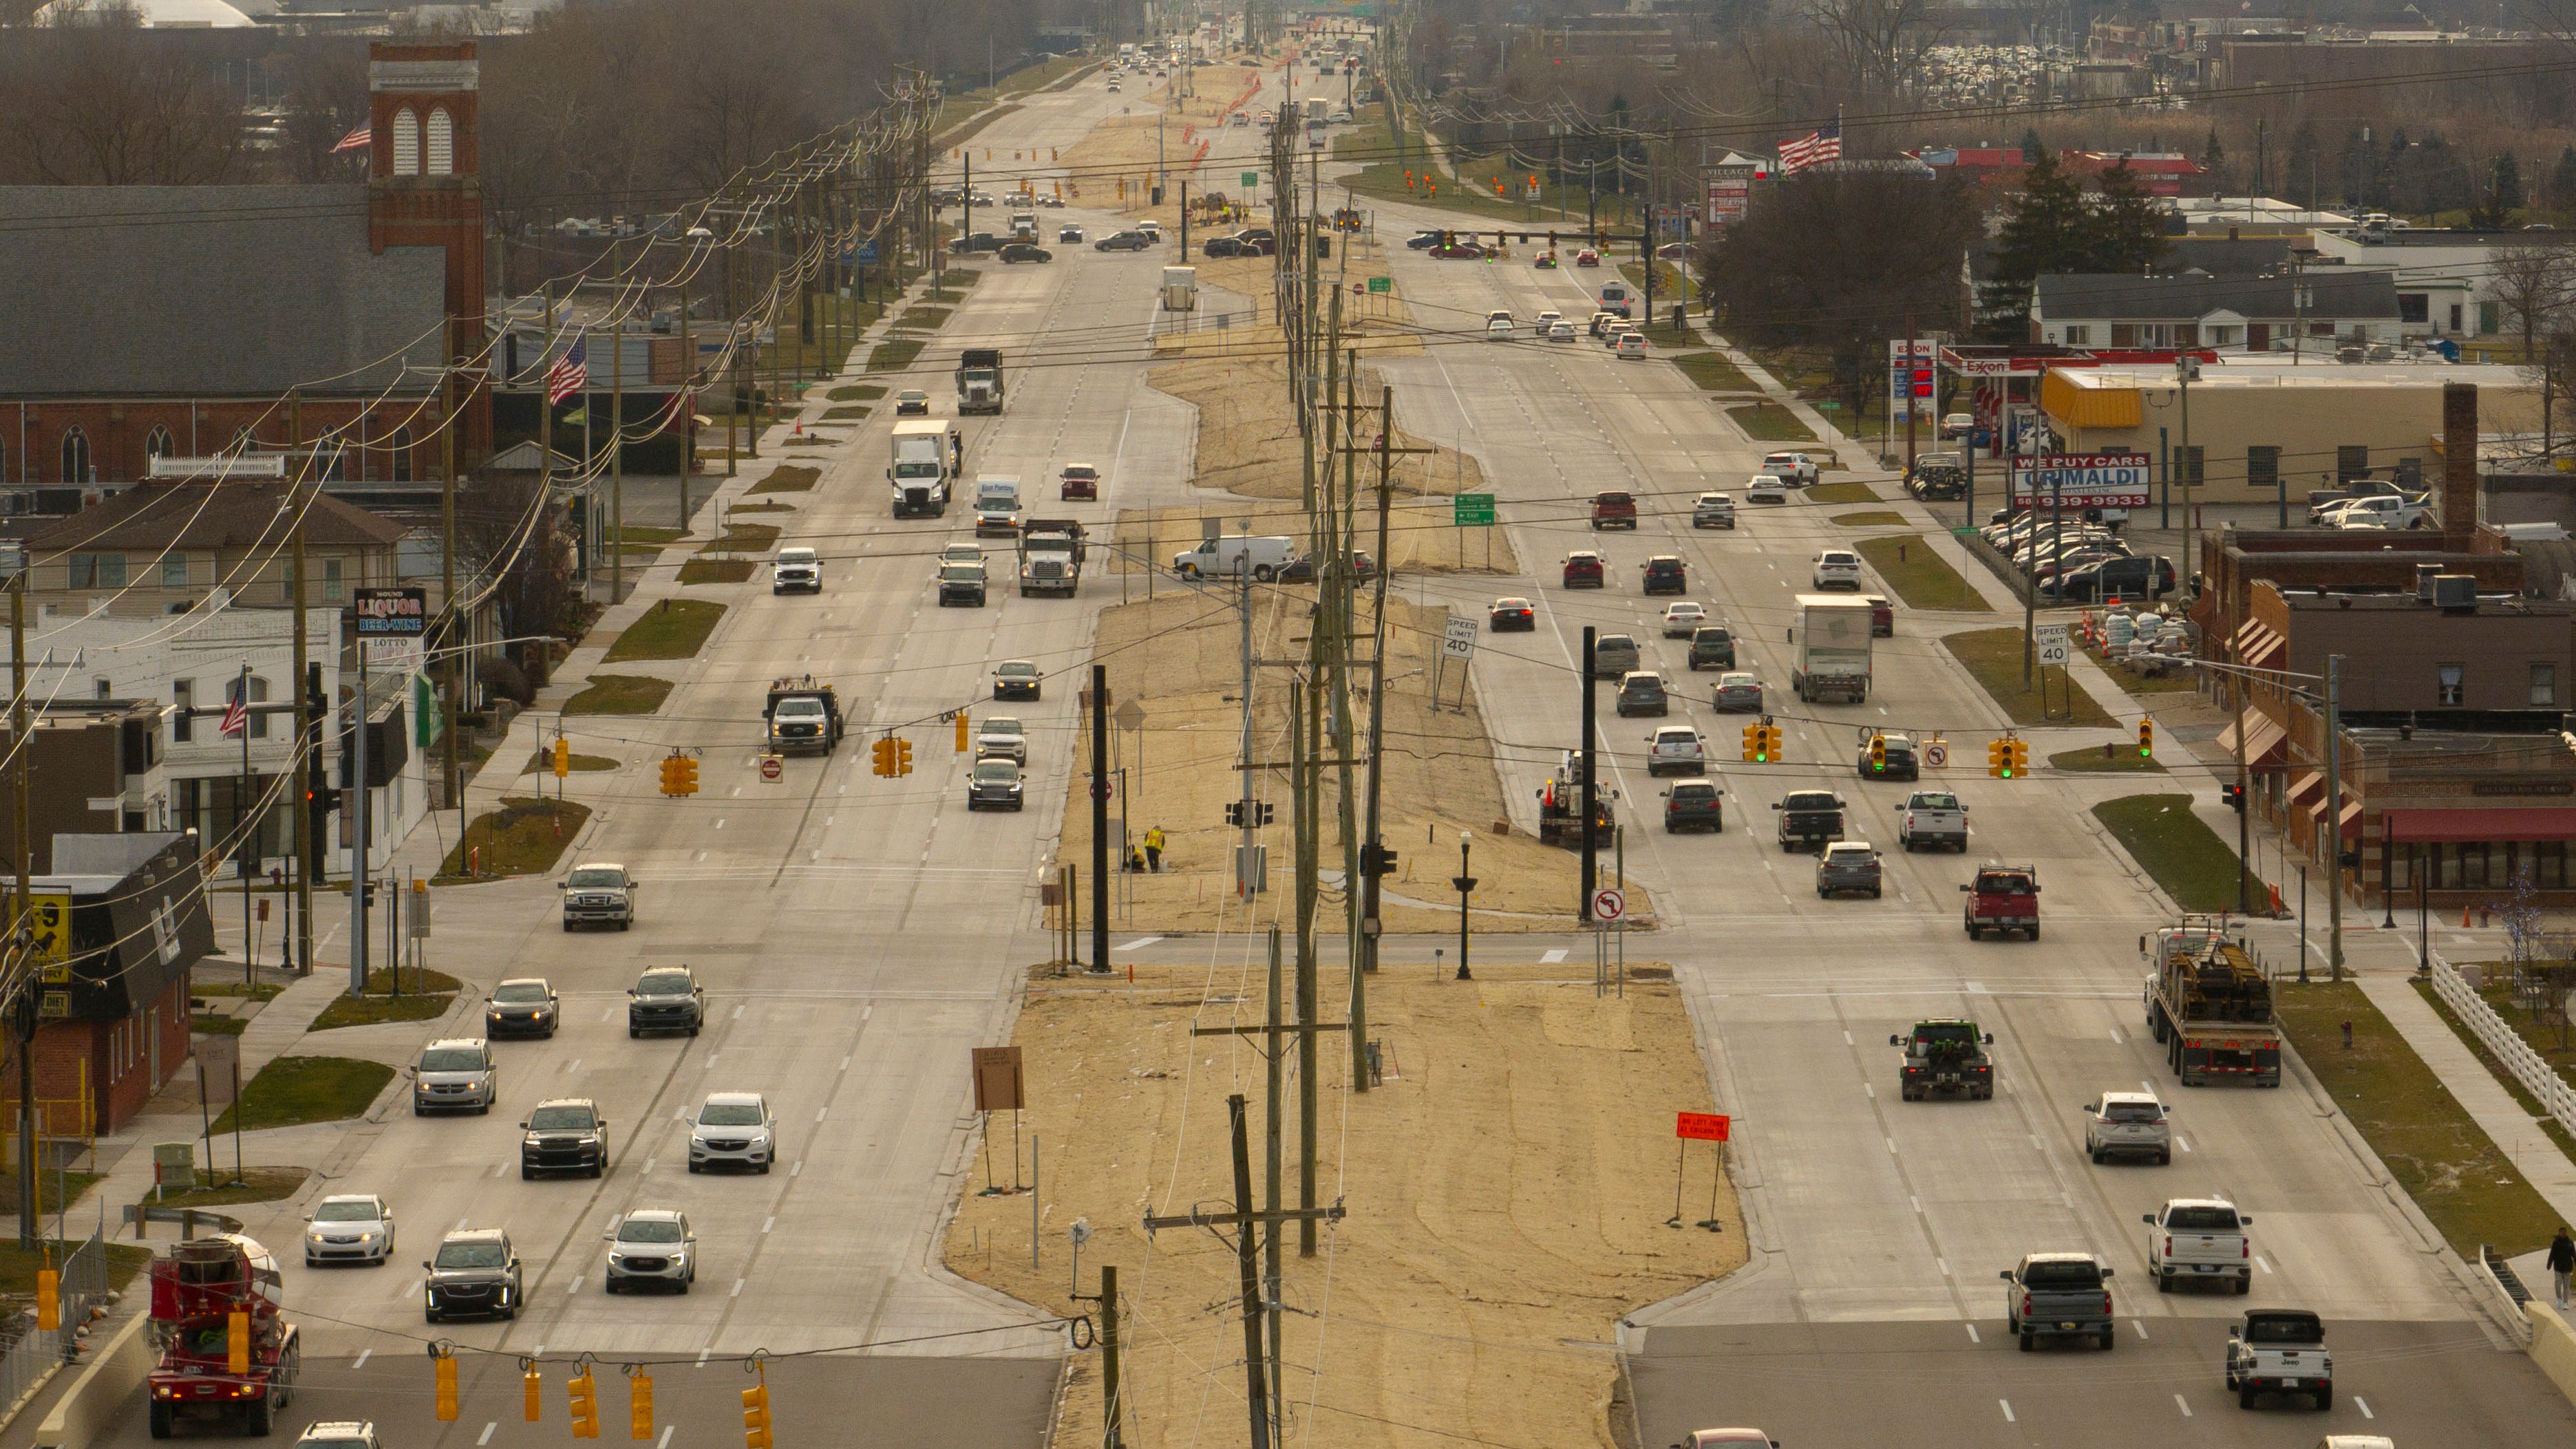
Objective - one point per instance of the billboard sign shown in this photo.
(2082, 480)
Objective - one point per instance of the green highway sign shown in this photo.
(1473, 510)
(1251, 180)
(1381, 284)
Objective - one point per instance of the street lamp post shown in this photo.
(1465, 883)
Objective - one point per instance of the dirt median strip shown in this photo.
(1507, 1189)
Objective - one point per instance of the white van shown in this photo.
(1617, 297)
(1265, 556)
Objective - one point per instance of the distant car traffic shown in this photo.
(1125, 241)
(1682, 620)
(1583, 570)
(1511, 616)
(1080, 482)
(1015, 679)
(1737, 692)
(1066, 236)
(912, 402)
(1026, 252)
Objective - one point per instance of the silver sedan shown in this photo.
(1737, 692)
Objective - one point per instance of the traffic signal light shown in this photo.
(961, 731)
(533, 1386)
(881, 756)
(1999, 759)
(2146, 739)
(755, 1415)
(1753, 742)
(49, 1299)
(639, 1405)
(237, 1342)
(2020, 753)
(446, 1366)
(1878, 754)
(1376, 860)
(583, 1390)
(1773, 740)
(2233, 794)
(563, 757)
(679, 775)
(903, 757)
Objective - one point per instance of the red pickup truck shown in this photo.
(2003, 898)
(1613, 509)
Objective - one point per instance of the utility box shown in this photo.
(174, 1165)
(1180, 289)
(1251, 870)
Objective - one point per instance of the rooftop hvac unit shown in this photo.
(2455, 591)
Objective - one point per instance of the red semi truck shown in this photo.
(226, 1349)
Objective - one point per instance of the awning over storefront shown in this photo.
(2309, 784)
(2351, 824)
(2257, 647)
(2262, 738)
(2482, 823)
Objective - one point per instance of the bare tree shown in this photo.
(1878, 42)
(97, 100)
(2534, 284)
(325, 95)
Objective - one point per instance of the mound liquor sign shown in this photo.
(2081, 480)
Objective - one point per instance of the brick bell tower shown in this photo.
(424, 188)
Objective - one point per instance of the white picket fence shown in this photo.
(2537, 1077)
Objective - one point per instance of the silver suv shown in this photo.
(452, 1074)
(655, 1246)
(2130, 1122)
(734, 1129)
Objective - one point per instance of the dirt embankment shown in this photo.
(1507, 1190)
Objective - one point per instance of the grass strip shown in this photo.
(1843, 493)
(1920, 577)
(744, 538)
(622, 693)
(1868, 518)
(2176, 847)
(544, 760)
(922, 319)
(789, 478)
(844, 414)
(673, 629)
(2504, 1076)
(1994, 657)
(254, 1184)
(850, 392)
(19, 1266)
(2455, 1173)
(1770, 422)
(2112, 759)
(715, 570)
(895, 355)
(522, 837)
(1711, 370)
(294, 1090)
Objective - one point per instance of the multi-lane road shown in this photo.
(859, 936)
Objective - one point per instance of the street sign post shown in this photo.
(771, 767)
(1609, 904)
(2050, 639)
(1251, 180)
(1381, 284)
(1937, 755)
(1701, 1126)
(1472, 510)
(1460, 642)
(1692, 1127)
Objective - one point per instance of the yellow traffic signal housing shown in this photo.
(961, 731)
(2020, 757)
(679, 775)
(563, 757)
(903, 757)
(1773, 741)
(755, 1416)
(447, 1405)
(2146, 739)
(532, 1387)
(583, 1391)
(639, 1406)
(49, 1299)
(1753, 742)
(881, 756)
(1878, 754)
(1999, 759)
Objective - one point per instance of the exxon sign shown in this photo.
(2082, 480)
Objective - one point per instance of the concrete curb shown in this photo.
(101, 1391)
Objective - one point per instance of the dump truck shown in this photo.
(979, 380)
(802, 714)
(1560, 806)
(2209, 1004)
(224, 1348)
(1832, 638)
(1051, 551)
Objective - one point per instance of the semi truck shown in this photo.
(1832, 638)
(1051, 551)
(928, 455)
(204, 1292)
(2209, 1004)
(979, 378)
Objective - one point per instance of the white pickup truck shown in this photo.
(2279, 1350)
(1932, 817)
(2380, 511)
(2200, 1239)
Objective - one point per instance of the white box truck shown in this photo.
(1832, 639)
(928, 452)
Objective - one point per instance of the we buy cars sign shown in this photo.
(2081, 480)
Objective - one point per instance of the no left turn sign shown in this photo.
(1608, 904)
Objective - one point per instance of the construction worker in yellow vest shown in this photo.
(1154, 849)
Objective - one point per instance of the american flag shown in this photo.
(1812, 149)
(236, 712)
(355, 140)
(571, 372)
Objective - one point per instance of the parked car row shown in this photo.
(2077, 561)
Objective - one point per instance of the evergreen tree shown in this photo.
(2300, 171)
(2560, 191)
(2126, 231)
(2504, 188)
(2213, 163)
(2043, 231)
(2031, 150)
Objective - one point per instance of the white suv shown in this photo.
(1678, 750)
(1713, 510)
(1837, 568)
(2127, 1122)
(1799, 469)
(734, 1129)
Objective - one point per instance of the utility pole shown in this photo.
(1591, 848)
(22, 1008)
(308, 730)
(1100, 817)
(2186, 368)
(454, 664)
(616, 466)
(1908, 371)
(689, 380)
(2334, 816)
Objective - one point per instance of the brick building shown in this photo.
(145, 321)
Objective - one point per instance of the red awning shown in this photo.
(2482, 823)
(2263, 738)
(2352, 818)
(2309, 784)
(2257, 647)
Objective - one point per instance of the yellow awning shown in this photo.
(2075, 406)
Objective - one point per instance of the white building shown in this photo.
(2444, 278)
(194, 665)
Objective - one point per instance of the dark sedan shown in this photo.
(1221, 246)
(1459, 252)
(1125, 241)
(1512, 616)
(2120, 578)
(1026, 252)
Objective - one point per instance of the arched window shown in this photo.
(402, 455)
(158, 444)
(242, 443)
(406, 143)
(442, 142)
(75, 456)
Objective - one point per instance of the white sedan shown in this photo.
(1499, 327)
(1683, 618)
(1766, 488)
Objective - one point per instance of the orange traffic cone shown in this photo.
(2464, 918)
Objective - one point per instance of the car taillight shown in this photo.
(2025, 1305)
(2248, 1246)
(2168, 1245)
(2106, 1303)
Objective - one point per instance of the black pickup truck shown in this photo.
(1945, 1056)
(1810, 820)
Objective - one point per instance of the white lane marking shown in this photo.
(711, 1062)
(1891, 1145)
(609, 1014)
(411, 1288)
(819, 1111)
(487, 1433)
(362, 1358)
(2140, 1325)
(573, 1287)
(2116, 1038)
(797, 1168)
(572, 1066)
(648, 1165)
(460, 1225)
(1847, 1041)
(702, 855)
(2146, 1086)
(2363, 1404)
(737, 1013)
(719, 822)
(869, 1011)
(2008, 1413)
(665, 1441)
(2035, 1143)
(1550, 958)
(2183, 1142)
(1943, 1264)
(1869, 1091)
(2259, 1263)
(702, 1363)
(2183, 1404)
(766, 1224)
(737, 1289)
(1140, 943)
(1972, 1332)
(1918, 1203)
(845, 1064)
(1976, 988)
